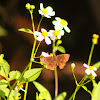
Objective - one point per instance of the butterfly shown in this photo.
(55, 60)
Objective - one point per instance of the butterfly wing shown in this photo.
(49, 61)
(61, 60)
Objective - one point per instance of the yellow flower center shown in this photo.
(56, 32)
(45, 11)
(63, 22)
(90, 67)
(20, 85)
(51, 54)
(44, 34)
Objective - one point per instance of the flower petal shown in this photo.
(52, 13)
(40, 38)
(94, 68)
(44, 54)
(58, 19)
(40, 12)
(87, 71)
(22, 89)
(16, 91)
(41, 6)
(58, 27)
(53, 37)
(37, 33)
(67, 29)
(55, 22)
(49, 9)
(93, 73)
(61, 32)
(85, 65)
(43, 30)
(50, 34)
(47, 40)
(59, 36)
(47, 16)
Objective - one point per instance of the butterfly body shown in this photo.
(53, 61)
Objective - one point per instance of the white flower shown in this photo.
(90, 70)
(43, 35)
(60, 24)
(44, 54)
(17, 88)
(56, 34)
(47, 12)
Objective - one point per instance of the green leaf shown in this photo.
(97, 65)
(2, 94)
(43, 95)
(42, 90)
(61, 96)
(61, 49)
(25, 30)
(85, 88)
(32, 74)
(14, 75)
(3, 83)
(6, 92)
(5, 68)
(96, 92)
(18, 74)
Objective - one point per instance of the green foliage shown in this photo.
(14, 75)
(4, 92)
(4, 68)
(32, 74)
(61, 96)
(97, 65)
(44, 93)
(61, 49)
(3, 83)
(25, 30)
(96, 92)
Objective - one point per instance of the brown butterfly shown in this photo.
(55, 60)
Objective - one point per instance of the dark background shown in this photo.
(83, 18)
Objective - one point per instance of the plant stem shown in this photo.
(90, 55)
(77, 88)
(33, 27)
(26, 86)
(37, 48)
(32, 53)
(55, 72)
(56, 82)
(39, 23)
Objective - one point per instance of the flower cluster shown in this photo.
(58, 23)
